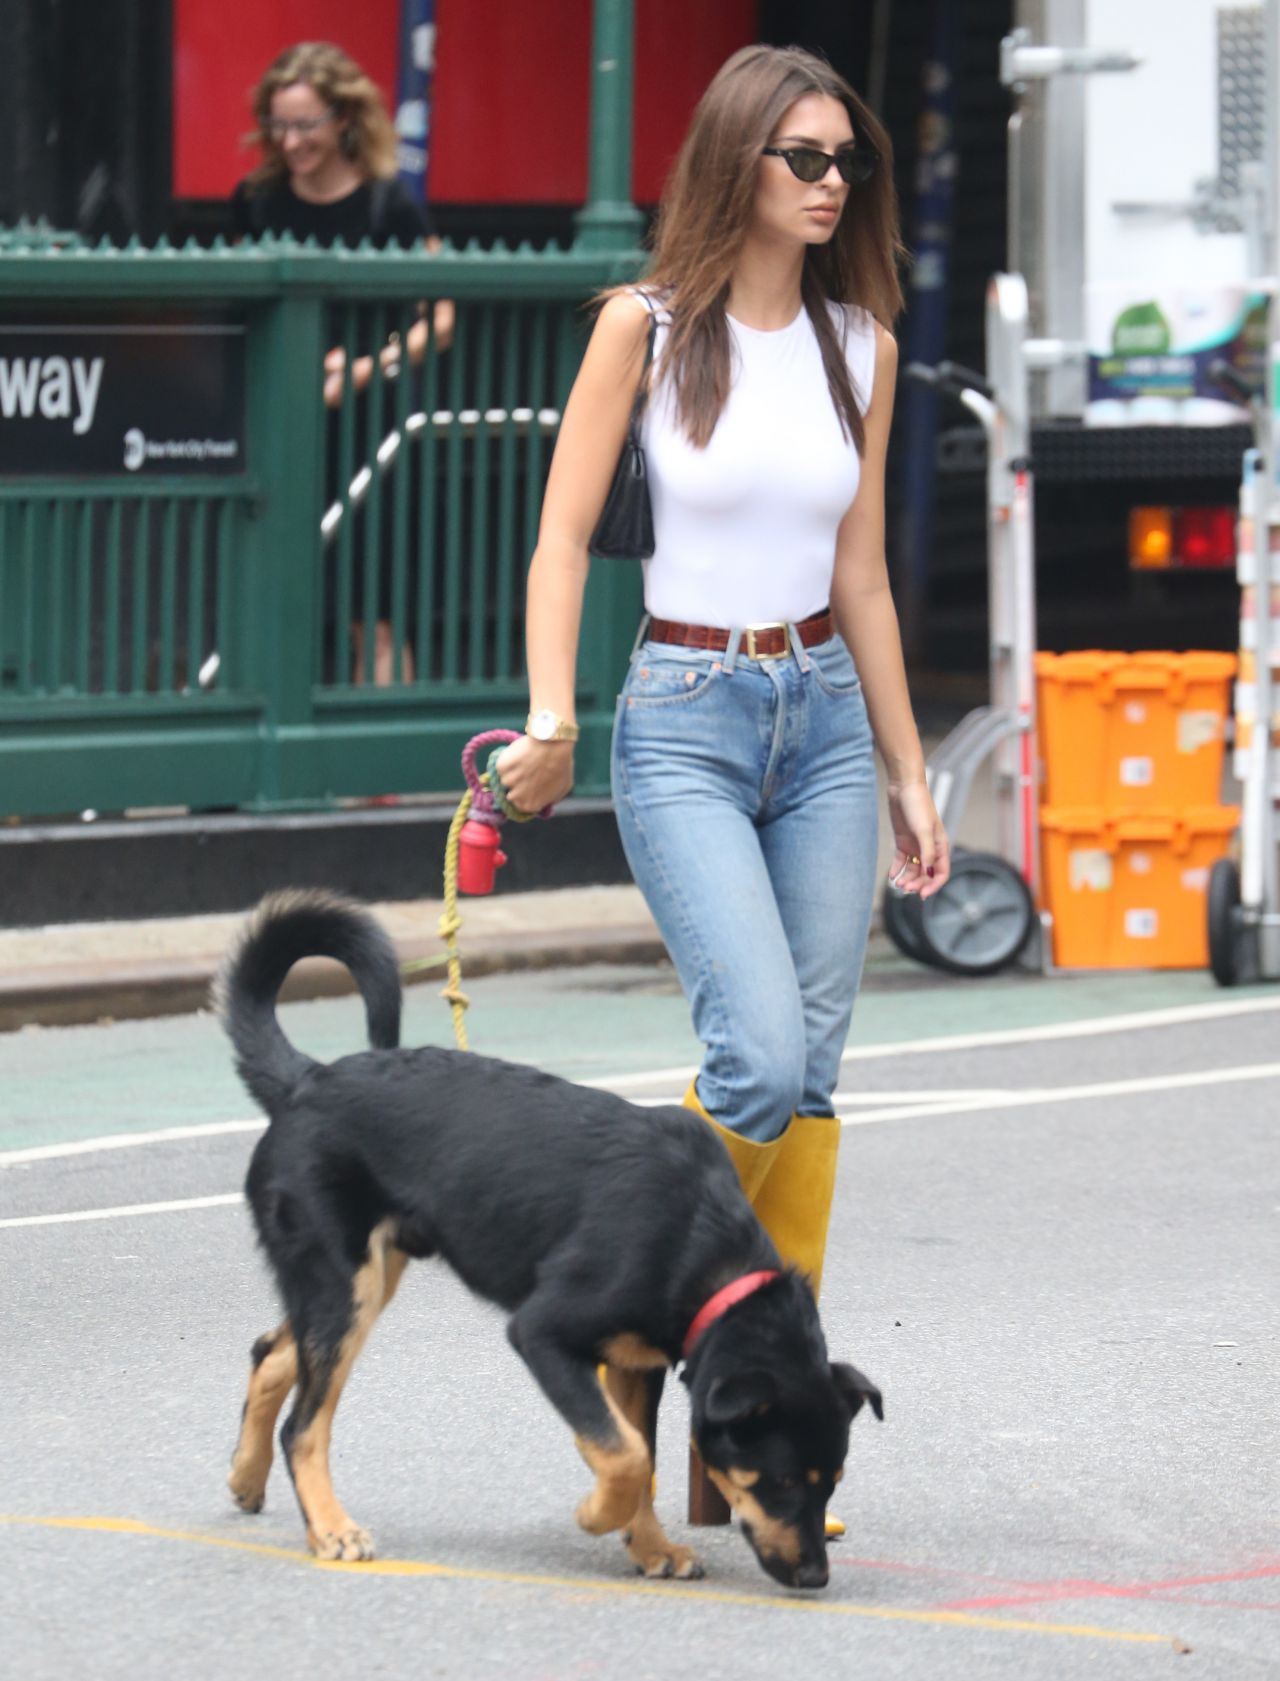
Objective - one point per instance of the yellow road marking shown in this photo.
(635, 1590)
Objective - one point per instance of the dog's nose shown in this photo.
(813, 1575)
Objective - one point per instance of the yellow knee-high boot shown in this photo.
(794, 1205)
(753, 1161)
(794, 1201)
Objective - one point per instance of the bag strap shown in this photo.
(257, 211)
(642, 389)
(379, 202)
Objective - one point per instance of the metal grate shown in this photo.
(180, 640)
(434, 490)
(116, 595)
(1241, 93)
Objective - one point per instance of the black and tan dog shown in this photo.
(615, 1237)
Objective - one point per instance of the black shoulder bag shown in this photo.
(624, 530)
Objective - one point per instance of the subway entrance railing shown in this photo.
(197, 552)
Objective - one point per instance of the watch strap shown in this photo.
(563, 731)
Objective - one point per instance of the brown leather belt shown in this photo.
(759, 642)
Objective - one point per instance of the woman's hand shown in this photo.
(922, 856)
(415, 342)
(536, 773)
(335, 365)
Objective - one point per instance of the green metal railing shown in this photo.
(188, 640)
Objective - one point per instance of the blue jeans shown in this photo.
(745, 793)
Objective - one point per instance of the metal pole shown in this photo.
(933, 217)
(609, 221)
(1011, 570)
(1265, 523)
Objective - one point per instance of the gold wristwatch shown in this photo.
(546, 725)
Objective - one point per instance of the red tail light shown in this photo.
(1172, 538)
(1204, 537)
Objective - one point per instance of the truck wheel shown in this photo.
(1228, 935)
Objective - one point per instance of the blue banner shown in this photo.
(413, 106)
(933, 210)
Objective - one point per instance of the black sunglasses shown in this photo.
(855, 163)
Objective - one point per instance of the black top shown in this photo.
(274, 207)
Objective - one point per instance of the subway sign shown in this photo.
(122, 398)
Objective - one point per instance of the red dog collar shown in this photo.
(723, 1299)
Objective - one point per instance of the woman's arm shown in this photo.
(865, 616)
(592, 431)
(443, 315)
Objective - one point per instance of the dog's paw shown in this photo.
(349, 1544)
(667, 1560)
(608, 1507)
(248, 1487)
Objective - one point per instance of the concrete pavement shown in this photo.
(65, 973)
(88, 971)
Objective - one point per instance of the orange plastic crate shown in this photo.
(1133, 732)
(1128, 891)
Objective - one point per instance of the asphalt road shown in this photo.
(1054, 1245)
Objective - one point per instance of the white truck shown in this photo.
(1127, 352)
(1144, 214)
(1137, 213)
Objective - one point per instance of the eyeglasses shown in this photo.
(277, 128)
(855, 163)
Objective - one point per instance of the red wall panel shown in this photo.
(220, 51)
(510, 102)
(679, 48)
(512, 86)
(512, 93)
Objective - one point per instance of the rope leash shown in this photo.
(485, 803)
(451, 922)
(484, 793)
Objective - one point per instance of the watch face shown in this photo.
(542, 726)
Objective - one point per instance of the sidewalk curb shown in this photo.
(69, 994)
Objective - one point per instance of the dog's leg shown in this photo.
(275, 1371)
(611, 1445)
(324, 1365)
(637, 1394)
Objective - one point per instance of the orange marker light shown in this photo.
(1150, 538)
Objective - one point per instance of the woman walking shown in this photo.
(770, 662)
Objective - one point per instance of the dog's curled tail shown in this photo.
(284, 928)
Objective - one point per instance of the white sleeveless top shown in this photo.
(745, 529)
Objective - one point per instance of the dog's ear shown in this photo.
(730, 1400)
(857, 1390)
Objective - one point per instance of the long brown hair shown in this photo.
(349, 93)
(705, 213)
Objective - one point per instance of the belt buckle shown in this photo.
(749, 638)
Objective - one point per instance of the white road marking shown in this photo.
(680, 1077)
(128, 1211)
(922, 1094)
(124, 1141)
(958, 1104)
(1034, 1098)
(1174, 1016)
(221, 1129)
